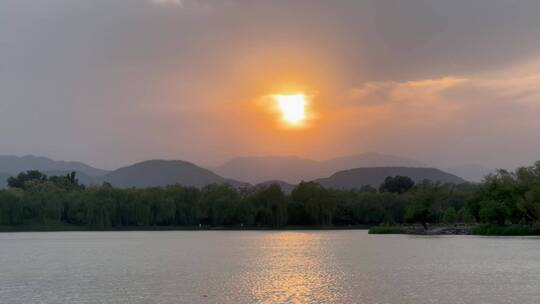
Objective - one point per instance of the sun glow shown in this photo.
(292, 108)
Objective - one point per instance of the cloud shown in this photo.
(169, 2)
(516, 88)
(483, 117)
(380, 93)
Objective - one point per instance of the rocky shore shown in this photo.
(457, 229)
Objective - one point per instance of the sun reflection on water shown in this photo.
(293, 267)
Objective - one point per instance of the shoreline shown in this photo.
(476, 229)
(459, 229)
(69, 228)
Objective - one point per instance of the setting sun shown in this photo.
(292, 107)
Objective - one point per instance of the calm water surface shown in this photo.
(266, 267)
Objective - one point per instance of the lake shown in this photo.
(266, 267)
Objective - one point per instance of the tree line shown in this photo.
(33, 198)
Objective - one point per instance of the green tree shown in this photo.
(396, 184)
(316, 201)
(185, 200)
(11, 211)
(450, 216)
(493, 212)
(218, 205)
(271, 206)
(22, 178)
(421, 206)
(465, 216)
(69, 181)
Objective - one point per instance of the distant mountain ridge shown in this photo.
(154, 173)
(375, 176)
(15, 164)
(255, 170)
(3, 179)
(12, 165)
(293, 169)
(471, 172)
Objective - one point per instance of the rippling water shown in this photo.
(266, 267)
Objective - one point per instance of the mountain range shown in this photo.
(293, 169)
(12, 165)
(344, 172)
(471, 172)
(375, 176)
(16, 164)
(154, 173)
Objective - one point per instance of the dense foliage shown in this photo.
(503, 198)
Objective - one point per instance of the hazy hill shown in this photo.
(260, 171)
(292, 169)
(162, 173)
(15, 164)
(3, 179)
(255, 170)
(471, 172)
(369, 159)
(356, 178)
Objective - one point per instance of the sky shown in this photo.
(113, 82)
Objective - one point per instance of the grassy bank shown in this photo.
(512, 230)
(492, 230)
